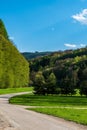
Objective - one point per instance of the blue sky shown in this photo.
(45, 25)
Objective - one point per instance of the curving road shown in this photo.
(22, 119)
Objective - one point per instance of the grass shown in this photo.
(33, 100)
(76, 115)
(15, 90)
(54, 105)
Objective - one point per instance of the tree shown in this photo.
(39, 84)
(83, 88)
(67, 86)
(51, 84)
(83, 82)
(14, 69)
(3, 31)
(44, 86)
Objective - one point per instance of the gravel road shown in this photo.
(15, 117)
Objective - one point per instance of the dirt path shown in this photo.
(4, 124)
(18, 118)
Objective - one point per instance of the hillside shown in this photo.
(32, 55)
(68, 68)
(14, 69)
(55, 58)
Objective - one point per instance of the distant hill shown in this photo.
(14, 68)
(69, 67)
(32, 55)
(54, 59)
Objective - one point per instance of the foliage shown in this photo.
(3, 31)
(83, 88)
(51, 84)
(14, 69)
(39, 84)
(69, 68)
(44, 86)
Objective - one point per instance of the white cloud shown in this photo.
(11, 38)
(70, 45)
(82, 45)
(74, 45)
(81, 17)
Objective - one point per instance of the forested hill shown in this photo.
(14, 68)
(62, 58)
(59, 54)
(68, 67)
(32, 55)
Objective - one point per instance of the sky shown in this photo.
(45, 25)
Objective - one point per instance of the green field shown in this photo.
(77, 115)
(70, 108)
(33, 100)
(15, 90)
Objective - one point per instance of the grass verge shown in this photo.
(76, 115)
(51, 105)
(15, 90)
(33, 100)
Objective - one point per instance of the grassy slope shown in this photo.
(15, 90)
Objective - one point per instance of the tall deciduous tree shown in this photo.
(14, 69)
(3, 31)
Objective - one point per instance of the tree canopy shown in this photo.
(69, 68)
(3, 31)
(14, 69)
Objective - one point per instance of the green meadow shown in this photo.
(34, 100)
(70, 108)
(71, 114)
(15, 90)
